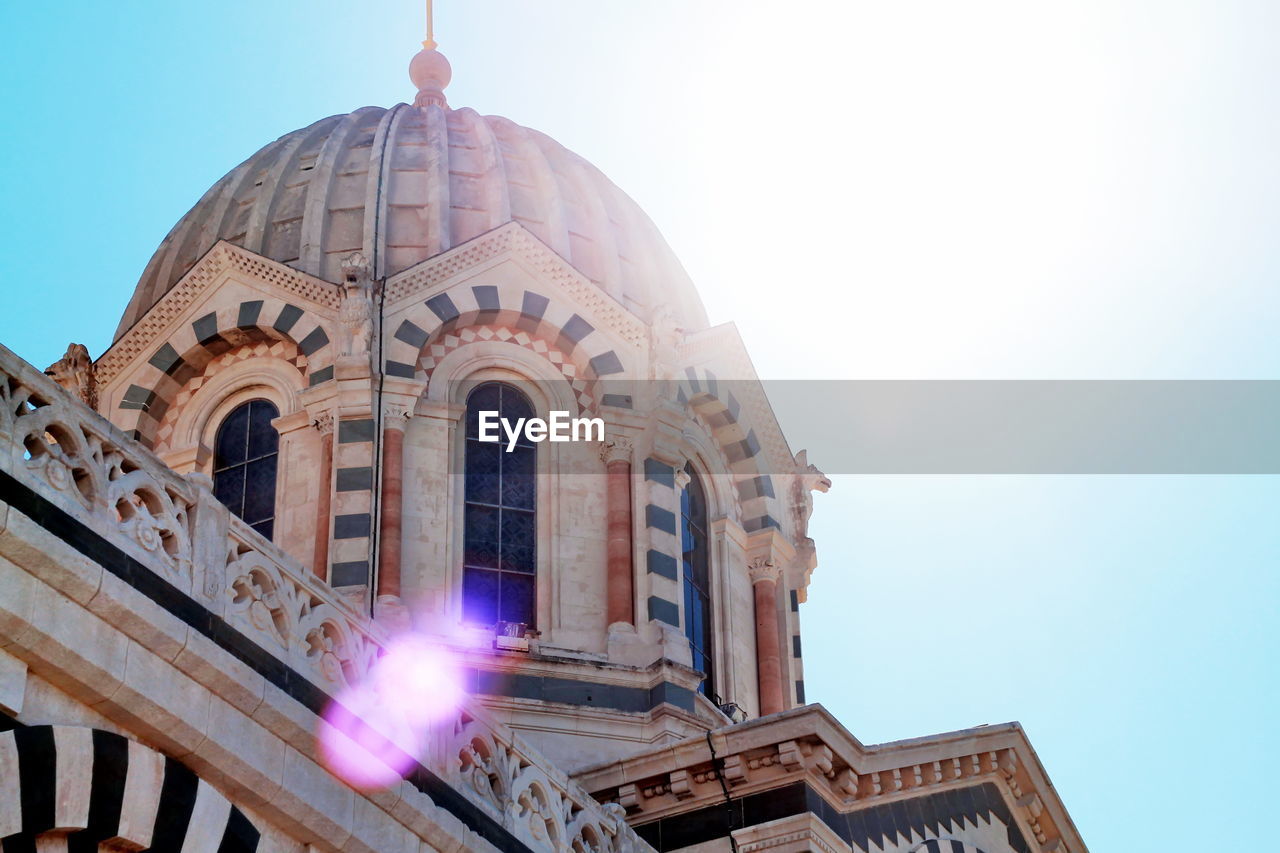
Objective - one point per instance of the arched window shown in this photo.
(245, 453)
(499, 519)
(697, 577)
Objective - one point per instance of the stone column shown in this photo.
(764, 583)
(391, 505)
(324, 501)
(620, 593)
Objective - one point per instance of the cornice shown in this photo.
(807, 744)
(513, 240)
(224, 257)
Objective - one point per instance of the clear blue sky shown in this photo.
(906, 190)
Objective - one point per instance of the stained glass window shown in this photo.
(245, 455)
(499, 519)
(697, 577)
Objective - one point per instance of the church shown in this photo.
(232, 543)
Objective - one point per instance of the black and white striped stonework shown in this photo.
(662, 560)
(352, 502)
(74, 788)
(189, 349)
(538, 315)
(713, 398)
(945, 845)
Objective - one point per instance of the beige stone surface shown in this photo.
(13, 683)
(208, 819)
(49, 558)
(10, 790)
(160, 703)
(119, 604)
(73, 748)
(798, 834)
(78, 651)
(141, 795)
(238, 749)
(309, 790)
(230, 678)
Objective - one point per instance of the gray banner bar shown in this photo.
(985, 426)
(1033, 427)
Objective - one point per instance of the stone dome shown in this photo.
(407, 183)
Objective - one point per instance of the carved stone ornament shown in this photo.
(324, 424)
(395, 415)
(808, 480)
(682, 478)
(763, 569)
(355, 313)
(616, 449)
(74, 372)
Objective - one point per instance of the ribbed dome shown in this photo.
(404, 184)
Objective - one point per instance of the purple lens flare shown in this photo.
(372, 733)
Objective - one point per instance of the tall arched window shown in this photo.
(697, 577)
(499, 519)
(245, 453)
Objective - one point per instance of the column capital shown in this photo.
(763, 569)
(324, 424)
(395, 415)
(619, 448)
(769, 545)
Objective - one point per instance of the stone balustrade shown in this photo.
(190, 548)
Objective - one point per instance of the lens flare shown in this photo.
(419, 680)
(372, 733)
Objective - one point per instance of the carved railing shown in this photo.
(74, 458)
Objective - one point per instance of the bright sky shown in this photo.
(877, 190)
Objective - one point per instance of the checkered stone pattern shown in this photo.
(584, 389)
(282, 350)
(946, 845)
(973, 819)
(539, 317)
(154, 385)
(714, 402)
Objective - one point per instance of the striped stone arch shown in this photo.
(529, 318)
(174, 362)
(703, 392)
(585, 390)
(89, 787)
(283, 350)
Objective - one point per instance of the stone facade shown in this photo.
(162, 669)
(164, 665)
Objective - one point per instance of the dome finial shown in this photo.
(429, 43)
(430, 71)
